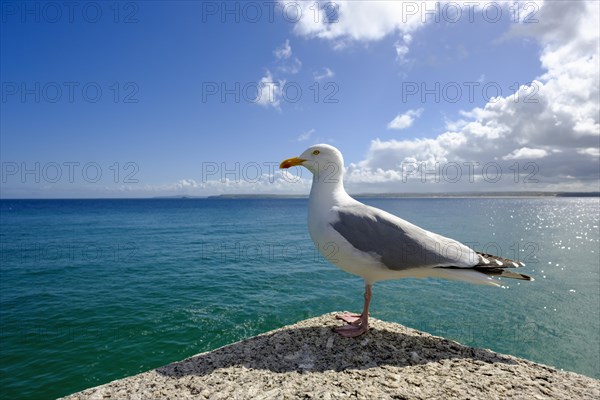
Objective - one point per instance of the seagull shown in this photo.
(377, 245)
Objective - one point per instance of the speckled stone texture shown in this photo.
(308, 360)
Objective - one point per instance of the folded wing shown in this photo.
(400, 245)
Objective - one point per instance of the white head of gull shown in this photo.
(377, 245)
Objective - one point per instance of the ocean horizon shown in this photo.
(93, 290)
(399, 195)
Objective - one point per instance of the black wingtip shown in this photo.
(503, 273)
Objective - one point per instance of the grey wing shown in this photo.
(397, 243)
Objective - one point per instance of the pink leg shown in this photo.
(361, 324)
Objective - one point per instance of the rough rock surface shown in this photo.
(308, 360)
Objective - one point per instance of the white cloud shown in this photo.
(260, 179)
(590, 151)
(287, 64)
(526, 153)
(186, 183)
(361, 21)
(270, 88)
(402, 48)
(324, 73)
(284, 52)
(403, 121)
(455, 125)
(305, 135)
(401, 52)
(549, 130)
(345, 22)
(269, 91)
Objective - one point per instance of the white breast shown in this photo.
(338, 251)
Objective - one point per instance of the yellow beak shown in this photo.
(290, 162)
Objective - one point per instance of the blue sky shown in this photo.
(161, 119)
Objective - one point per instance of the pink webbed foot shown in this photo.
(357, 324)
(349, 318)
(352, 330)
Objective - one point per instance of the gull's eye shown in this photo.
(316, 153)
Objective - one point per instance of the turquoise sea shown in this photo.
(96, 290)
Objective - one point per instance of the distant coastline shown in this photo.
(411, 195)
